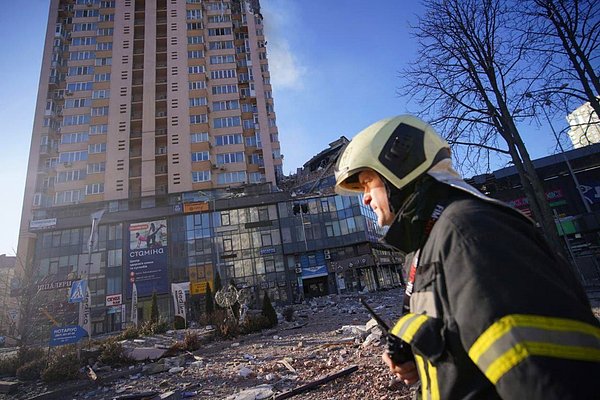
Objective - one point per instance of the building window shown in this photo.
(200, 176)
(255, 177)
(83, 41)
(198, 101)
(96, 168)
(98, 129)
(77, 103)
(223, 89)
(200, 156)
(219, 31)
(82, 55)
(228, 158)
(193, 14)
(195, 39)
(97, 148)
(226, 122)
(199, 137)
(103, 46)
(70, 120)
(215, 19)
(79, 86)
(231, 177)
(225, 105)
(103, 61)
(220, 45)
(223, 74)
(194, 26)
(102, 77)
(224, 140)
(68, 196)
(85, 70)
(72, 156)
(69, 176)
(84, 27)
(196, 54)
(196, 69)
(67, 138)
(105, 32)
(199, 119)
(94, 188)
(195, 85)
(224, 59)
(99, 111)
(101, 94)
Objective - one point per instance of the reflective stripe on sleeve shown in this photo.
(408, 326)
(513, 338)
(429, 381)
(423, 375)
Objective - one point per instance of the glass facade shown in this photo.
(290, 248)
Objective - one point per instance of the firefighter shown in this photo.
(490, 311)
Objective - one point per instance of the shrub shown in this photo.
(112, 353)
(154, 315)
(153, 328)
(255, 323)
(9, 365)
(31, 370)
(191, 341)
(179, 322)
(226, 328)
(62, 366)
(132, 332)
(210, 303)
(268, 310)
(27, 354)
(288, 313)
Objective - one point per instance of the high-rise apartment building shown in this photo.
(140, 104)
(584, 126)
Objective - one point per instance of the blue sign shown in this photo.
(66, 335)
(314, 272)
(78, 290)
(590, 190)
(267, 250)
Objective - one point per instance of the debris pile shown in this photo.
(328, 348)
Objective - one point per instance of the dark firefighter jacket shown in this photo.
(494, 313)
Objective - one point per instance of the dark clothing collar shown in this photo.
(407, 232)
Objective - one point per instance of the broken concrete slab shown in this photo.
(145, 353)
(8, 387)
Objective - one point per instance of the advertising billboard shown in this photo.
(147, 258)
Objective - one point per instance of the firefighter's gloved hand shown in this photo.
(398, 350)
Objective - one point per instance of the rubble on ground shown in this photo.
(327, 335)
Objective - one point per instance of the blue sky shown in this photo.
(334, 69)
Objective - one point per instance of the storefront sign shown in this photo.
(314, 272)
(197, 206)
(114, 300)
(42, 224)
(54, 285)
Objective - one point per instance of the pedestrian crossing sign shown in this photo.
(78, 289)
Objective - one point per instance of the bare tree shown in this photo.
(28, 300)
(471, 78)
(568, 31)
